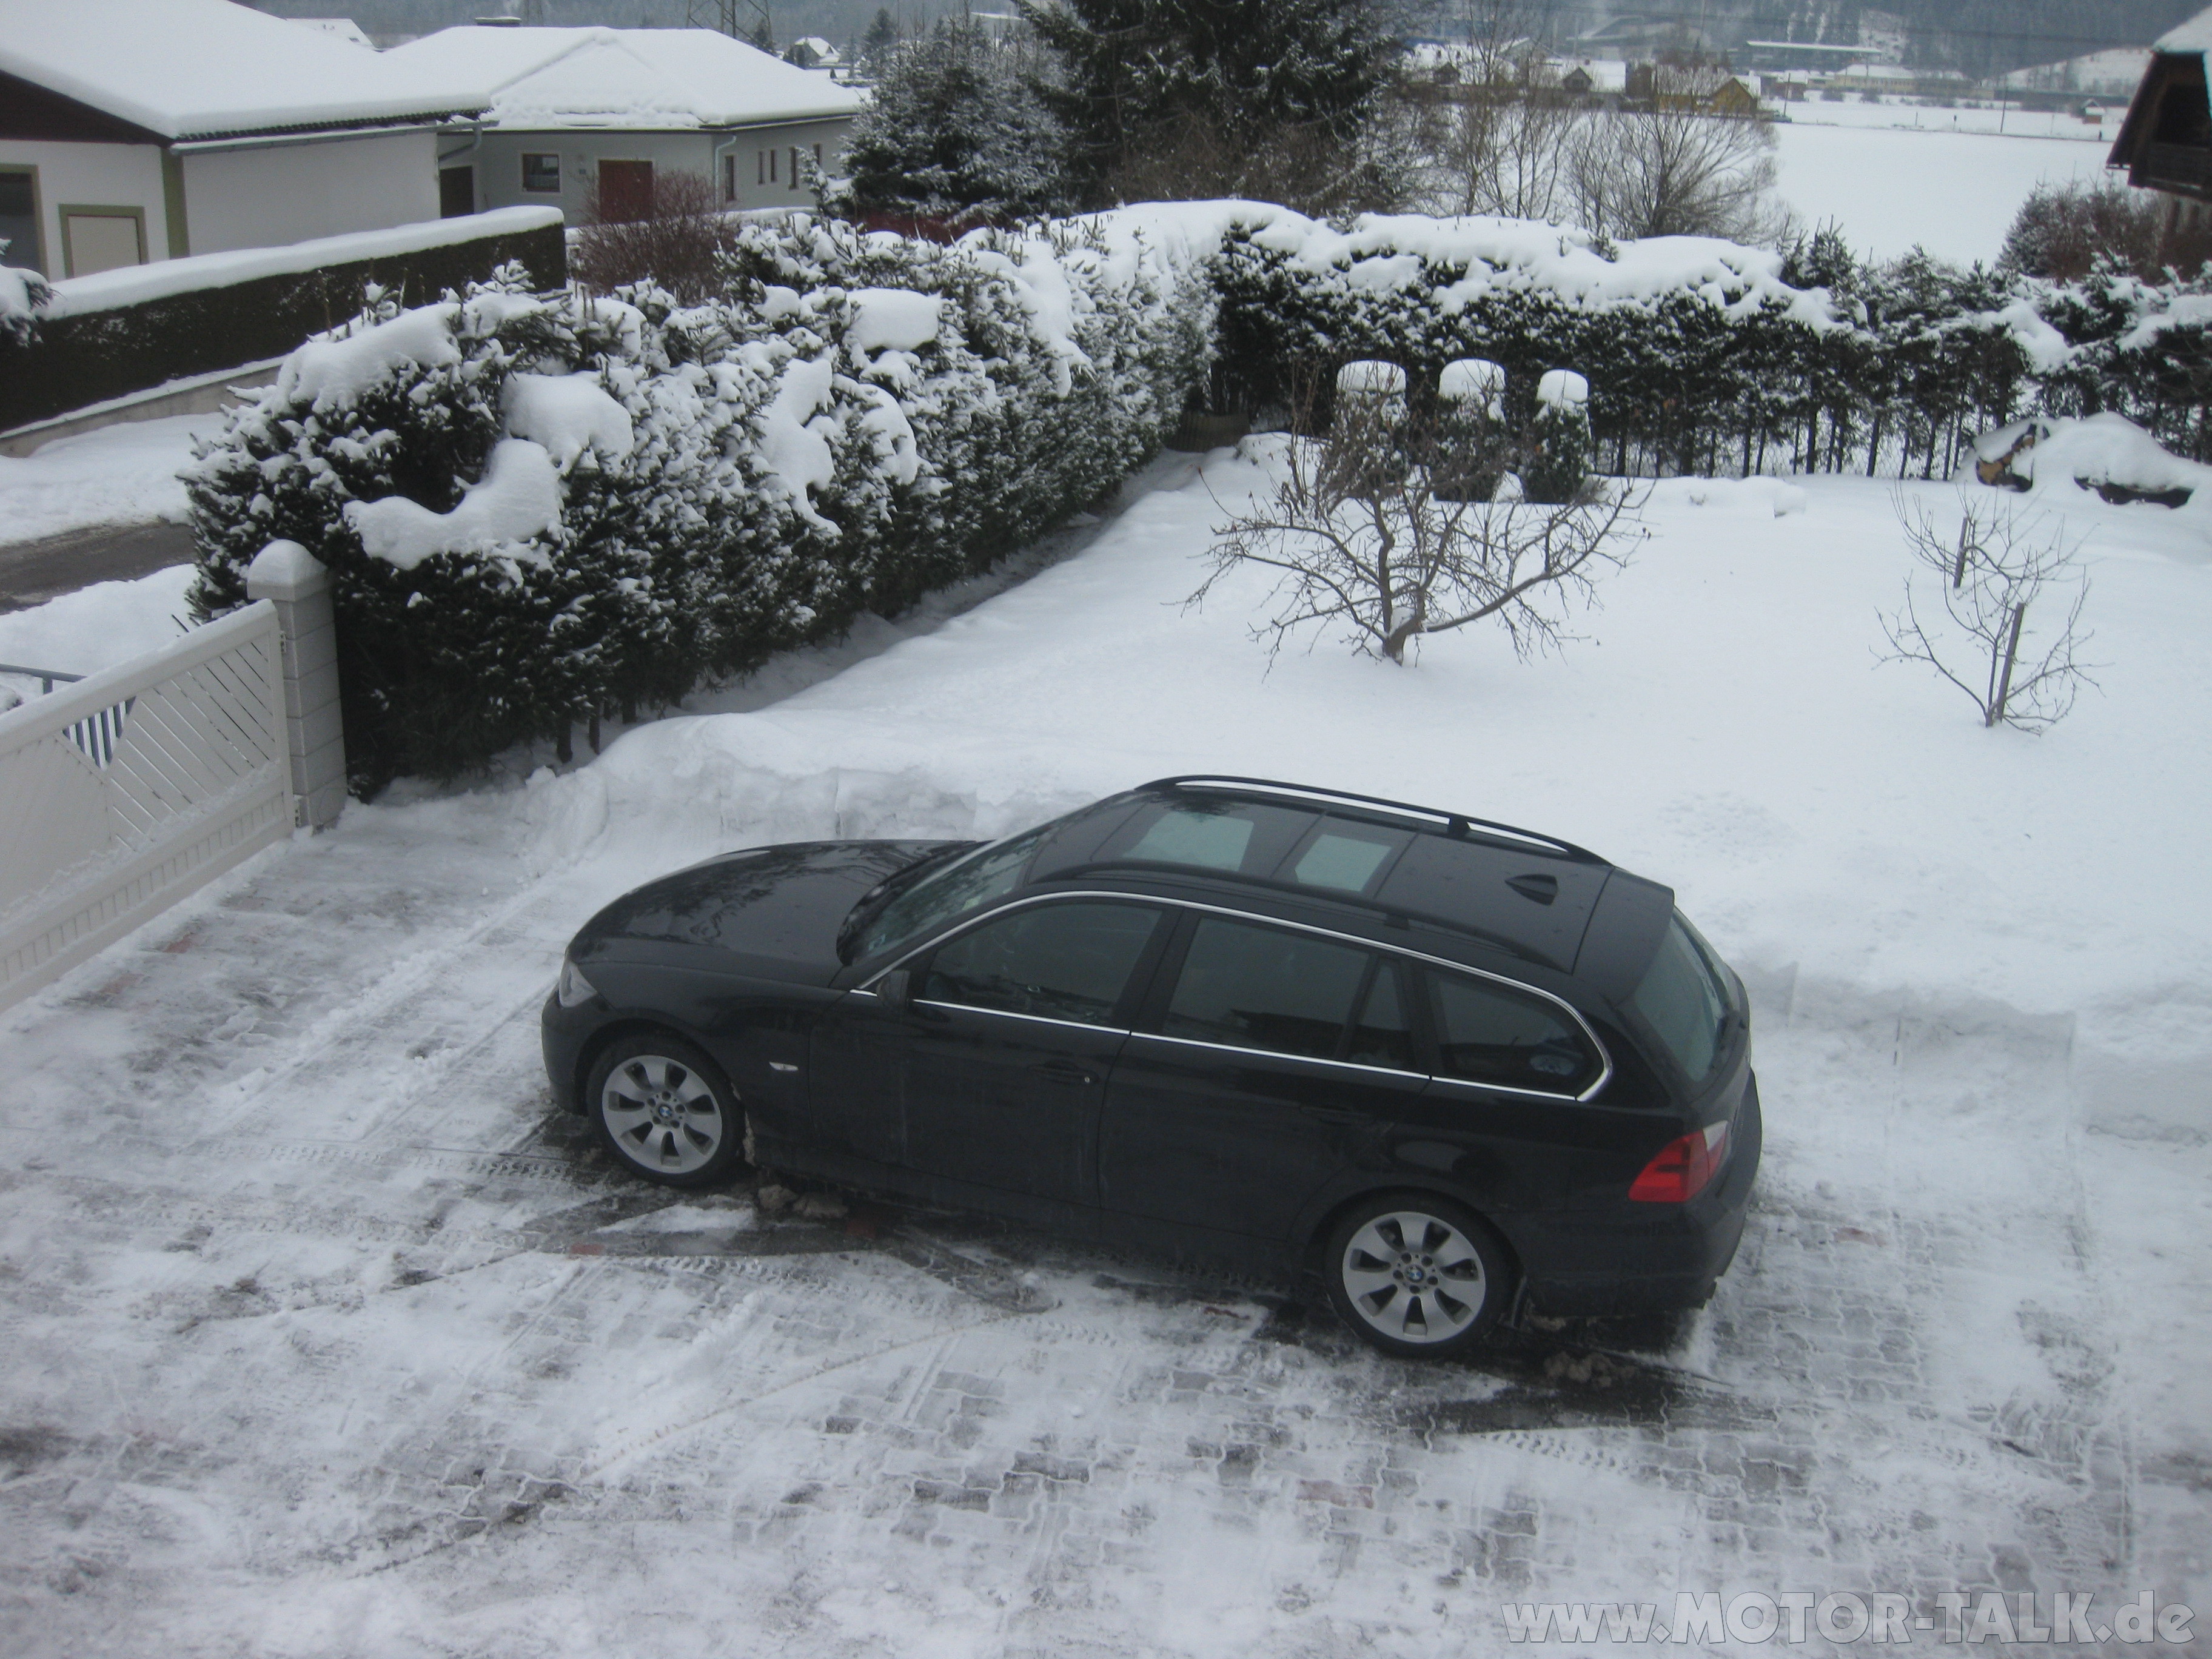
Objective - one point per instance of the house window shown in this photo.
(18, 219)
(729, 178)
(541, 173)
(771, 166)
(760, 161)
(794, 166)
(101, 239)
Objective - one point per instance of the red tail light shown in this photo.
(1683, 1167)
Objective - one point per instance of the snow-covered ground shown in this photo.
(96, 627)
(121, 474)
(1952, 191)
(324, 1338)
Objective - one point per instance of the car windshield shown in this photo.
(1684, 1000)
(952, 891)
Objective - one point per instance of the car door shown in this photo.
(999, 1064)
(1251, 1083)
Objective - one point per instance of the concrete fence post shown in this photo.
(286, 573)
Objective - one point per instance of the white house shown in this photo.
(139, 130)
(575, 110)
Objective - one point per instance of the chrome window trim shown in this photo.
(1403, 954)
(1279, 1054)
(1010, 1013)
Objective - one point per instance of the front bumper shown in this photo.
(560, 1034)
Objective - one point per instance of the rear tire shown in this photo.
(1418, 1277)
(666, 1111)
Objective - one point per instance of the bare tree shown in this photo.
(1358, 536)
(673, 237)
(1989, 574)
(1668, 172)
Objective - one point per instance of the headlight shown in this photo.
(572, 987)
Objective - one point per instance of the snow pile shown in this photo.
(893, 319)
(518, 500)
(568, 413)
(1562, 388)
(339, 368)
(2108, 455)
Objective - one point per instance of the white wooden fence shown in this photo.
(123, 793)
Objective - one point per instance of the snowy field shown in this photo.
(1892, 188)
(325, 1339)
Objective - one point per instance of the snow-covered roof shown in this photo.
(2194, 35)
(342, 28)
(188, 69)
(1606, 74)
(603, 77)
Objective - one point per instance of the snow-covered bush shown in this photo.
(24, 296)
(1557, 465)
(541, 509)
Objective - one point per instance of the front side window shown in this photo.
(1491, 1033)
(541, 173)
(1681, 999)
(985, 874)
(1069, 961)
(1258, 987)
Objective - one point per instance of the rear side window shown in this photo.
(1490, 1033)
(1255, 987)
(1682, 1000)
(1068, 962)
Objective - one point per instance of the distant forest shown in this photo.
(1980, 37)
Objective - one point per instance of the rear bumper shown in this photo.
(1671, 1259)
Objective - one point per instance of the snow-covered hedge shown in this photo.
(541, 509)
(1705, 356)
(95, 337)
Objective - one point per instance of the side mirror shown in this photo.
(897, 989)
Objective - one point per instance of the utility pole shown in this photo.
(725, 16)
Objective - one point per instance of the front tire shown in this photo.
(666, 1111)
(1418, 1277)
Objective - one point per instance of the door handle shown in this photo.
(1065, 1071)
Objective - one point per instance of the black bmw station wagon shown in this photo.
(1448, 1064)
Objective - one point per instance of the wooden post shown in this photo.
(2012, 650)
(1959, 571)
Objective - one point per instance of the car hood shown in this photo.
(769, 912)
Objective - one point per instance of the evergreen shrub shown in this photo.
(859, 419)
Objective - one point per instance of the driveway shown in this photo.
(327, 1336)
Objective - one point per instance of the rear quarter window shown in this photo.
(1492, 1034)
